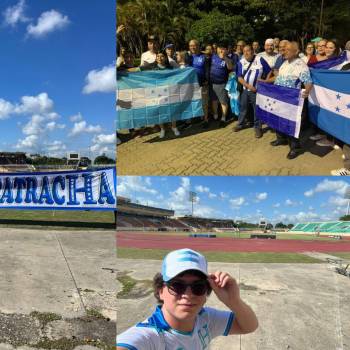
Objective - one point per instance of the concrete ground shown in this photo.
(220, 151)
(57, 289)
(299, 306)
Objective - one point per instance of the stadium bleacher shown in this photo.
(326, 227)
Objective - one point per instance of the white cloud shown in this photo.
(30, 143)
(40, 104)
(15, 14)
(103, 143)
(129, 185)
(76, 118)
(338, 201)
(51, 126)
(337, 186)
(102, 80)
(6, 108)
(48, 22)
(206, 190)
(290, 203)
(276, 205)
(309, 193)
(223, 196)
(83, 127)
(203, 211)
(236, 203)
(260, 196)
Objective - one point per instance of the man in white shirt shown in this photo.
(150, 56)
(181, 321)
(269, 55)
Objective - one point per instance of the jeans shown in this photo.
(248, 98)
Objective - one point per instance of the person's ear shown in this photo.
(161, 293)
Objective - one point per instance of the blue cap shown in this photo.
(169, 46)
(182, 260)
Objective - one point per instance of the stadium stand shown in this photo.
(138, 217)
(14, 162)
(328, 227)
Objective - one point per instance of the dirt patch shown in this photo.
(51, 331)
(132, 288)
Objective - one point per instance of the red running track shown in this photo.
(156, 241)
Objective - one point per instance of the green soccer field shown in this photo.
(72, 219)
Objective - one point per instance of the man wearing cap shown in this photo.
(170, 52)
(181, 321)
(269, 55)
(150, 56)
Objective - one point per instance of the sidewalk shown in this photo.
(220, 151)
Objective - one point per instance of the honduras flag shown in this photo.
(156, 97)
(334, 63)
(329, 102)
(279, 107)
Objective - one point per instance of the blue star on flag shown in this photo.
(337, 109)
(348, 106)
(338, 97)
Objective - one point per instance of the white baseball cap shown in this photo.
(269, 41)
(182, 260)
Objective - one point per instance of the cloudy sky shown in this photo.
(288, 199)
(57, 77)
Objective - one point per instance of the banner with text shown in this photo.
(67, 190)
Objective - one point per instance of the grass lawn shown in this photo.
(158, 254)
(60, 218)
(343, 255)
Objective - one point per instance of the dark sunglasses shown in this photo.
(198, 288)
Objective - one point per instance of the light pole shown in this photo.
(192, 198)
(347, 196)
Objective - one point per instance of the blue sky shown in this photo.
(289, 199)
(57, 76)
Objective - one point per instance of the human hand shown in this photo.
(225, 287)
(120, 28)
(304, 93)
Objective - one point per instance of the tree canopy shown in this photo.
(177, 21)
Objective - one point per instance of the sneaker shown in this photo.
(119, 141)
(341, 172)
(317, 137)
(162, 133)
(176, 132)
(215, 117)
(222, 124)
(258, 133)
(336, 147)
(325, 143)
(343, 156)
(279, 142)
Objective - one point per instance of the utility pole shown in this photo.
(347, 196)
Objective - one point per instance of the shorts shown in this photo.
(218, 92)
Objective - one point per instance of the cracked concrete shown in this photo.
(66, 277)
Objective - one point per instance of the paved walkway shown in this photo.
(220, 151)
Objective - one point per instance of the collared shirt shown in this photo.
(255, 71)
(155, 333)
(279, 62)
(148, 57)
(270, 59)
(200, 63)
(292, 74)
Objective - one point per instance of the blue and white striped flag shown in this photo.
(280, 108)
(156, 97)
(334, 63)
(329, 102)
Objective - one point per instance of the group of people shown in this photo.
(281, 62)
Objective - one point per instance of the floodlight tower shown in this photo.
(347, 196)
(192, 198)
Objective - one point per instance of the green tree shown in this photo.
(345, 218)
(216, 27)
(103, 160)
